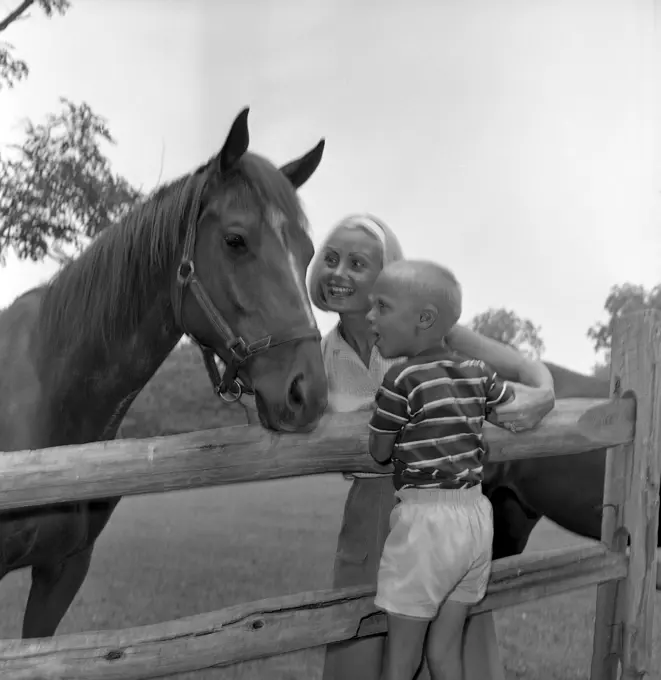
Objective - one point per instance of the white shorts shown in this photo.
(438, 548)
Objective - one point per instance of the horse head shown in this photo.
(239, 288)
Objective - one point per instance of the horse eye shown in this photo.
(236, 242)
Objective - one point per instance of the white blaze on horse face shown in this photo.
(277, 220)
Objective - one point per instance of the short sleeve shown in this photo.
(392, 406)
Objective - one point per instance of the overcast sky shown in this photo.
(514, 141)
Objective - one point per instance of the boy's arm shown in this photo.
(390, 415)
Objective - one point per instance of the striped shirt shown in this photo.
(436, 402)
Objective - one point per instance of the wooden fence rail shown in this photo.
(284, 624)
(247, 453)
(630, 424)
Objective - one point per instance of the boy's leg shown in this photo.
(444, 643)
(481, 655)
(362, 535)
(477, 644)
(427, 554)
(403, 649)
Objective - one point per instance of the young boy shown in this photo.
(428, 419)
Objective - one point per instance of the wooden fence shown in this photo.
(629, 423)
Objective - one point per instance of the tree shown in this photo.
(57, 190)
(622, 300)
(12, 69)
(507, 327)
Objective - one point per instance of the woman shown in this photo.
(341, 278)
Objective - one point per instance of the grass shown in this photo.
(165, 556)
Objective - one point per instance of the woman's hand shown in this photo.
(526, 410)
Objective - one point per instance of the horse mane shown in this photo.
(107, 289)
(104, 293)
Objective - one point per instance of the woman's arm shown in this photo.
(507, 362)
(533, 382)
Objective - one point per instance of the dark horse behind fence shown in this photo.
(220, 255)
(568, 490)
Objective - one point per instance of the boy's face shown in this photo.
(393, 318)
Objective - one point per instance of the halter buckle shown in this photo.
(239, 350)
(185, 271)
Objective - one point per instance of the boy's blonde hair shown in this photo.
(391, 250)
(429, 282)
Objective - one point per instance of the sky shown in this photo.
(516, 142)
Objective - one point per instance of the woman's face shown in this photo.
(352, 259)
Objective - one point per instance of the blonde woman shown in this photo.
(340, 280)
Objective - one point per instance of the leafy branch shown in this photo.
(12, 69)
(57, 188)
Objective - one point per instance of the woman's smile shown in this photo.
(340, 291)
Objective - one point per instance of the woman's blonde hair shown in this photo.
(391, 250)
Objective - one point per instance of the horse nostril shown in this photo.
(296, 398)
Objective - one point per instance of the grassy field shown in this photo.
(171, 555)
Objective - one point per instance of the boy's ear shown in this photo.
(427, 317)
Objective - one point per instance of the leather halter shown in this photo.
(229, 386)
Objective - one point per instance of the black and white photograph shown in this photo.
(330, 339)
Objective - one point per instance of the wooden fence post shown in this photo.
(625, 608)
(607, 645)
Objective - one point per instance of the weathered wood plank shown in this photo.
(607, 644)
(640, 347)
(248, 453)
(278, 625)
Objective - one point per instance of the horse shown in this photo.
(219, 255)
(569, 490)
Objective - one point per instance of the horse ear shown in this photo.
(236, 143)
(298, 172)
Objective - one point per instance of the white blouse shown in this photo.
(352, 386)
